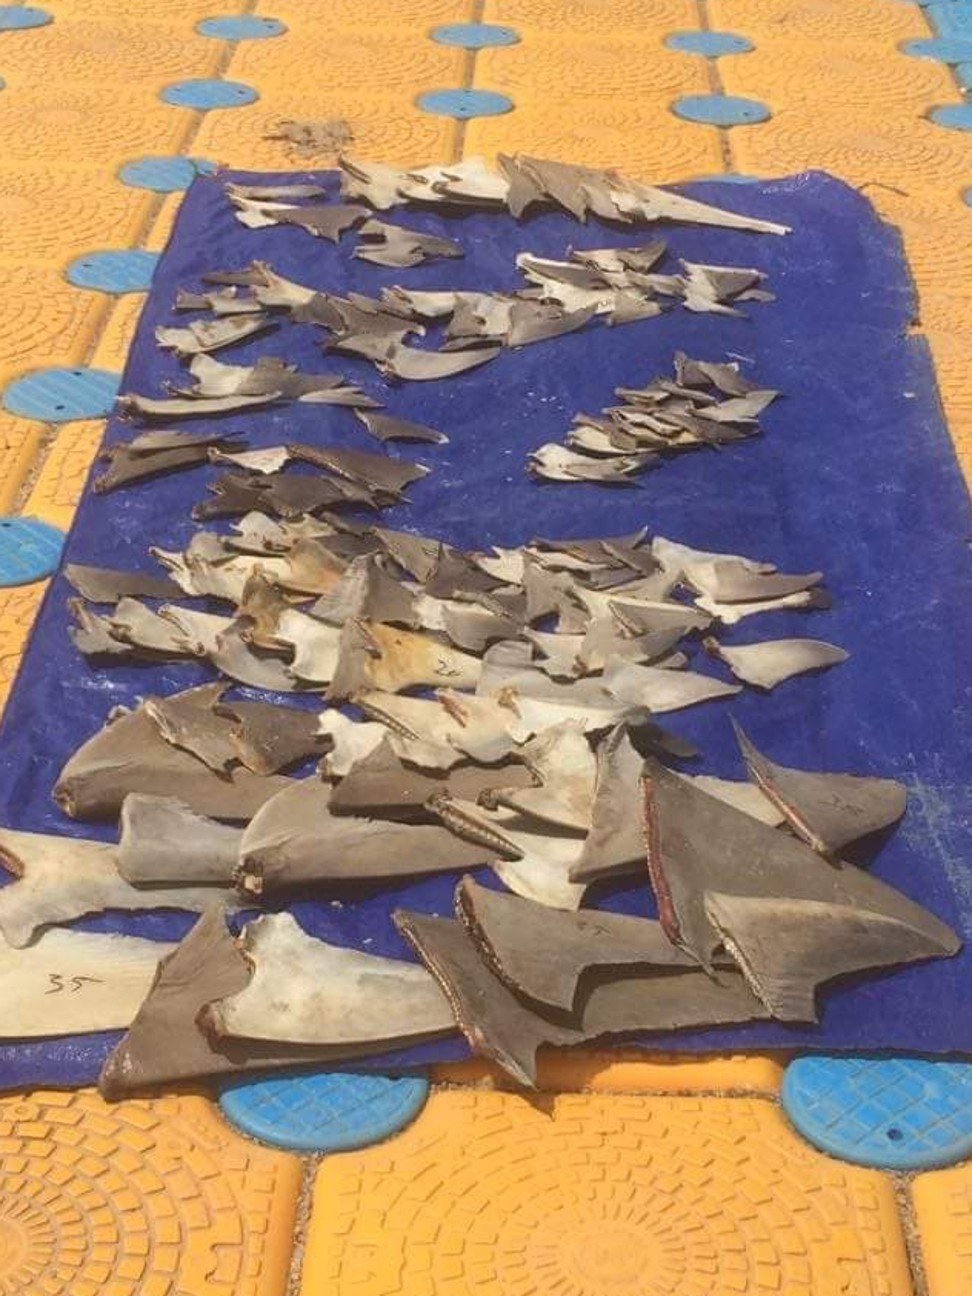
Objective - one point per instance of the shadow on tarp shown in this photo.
(854, 474)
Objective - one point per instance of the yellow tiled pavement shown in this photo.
(718, 1190)
(138, 1199)
(943, 1207)
(591, 1194)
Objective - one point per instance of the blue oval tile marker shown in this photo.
(464, 104)
(237, 29)
(895, 1113)
(163, 174)
(205, 94)
(60, 395)
(128, 270)
(711, 44)
(475, 35)
(29, 550)
(323, 1111)
(721, 110)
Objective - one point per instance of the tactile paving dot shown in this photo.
(124, 271)
(204, 94)
(59, 395)
(897, 1113)
(504, 1195)
(164, 174)
(953, 116)
(324, 1112)
(29, 550)
(141, 1198)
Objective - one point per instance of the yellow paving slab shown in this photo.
(57, 491)
(390, 129)
(410, 16)
(361, 59)
(850, 77)
(44, 320)
(20, 440)
(18, 607)
(118, 332)
(829, 21)
(619, 1071)
(582, 18)
(590, 1194)
(644, 139)
(166, 211)
(50, 217)
(122, 46)
(862, 148)
(943, 1207)
(143, 1198)
(178, 15)
(621, 68)
(82, 126)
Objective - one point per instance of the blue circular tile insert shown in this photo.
(709, 43)
(892, 1113)
(164, 174)
(942, 49)
(237, 29)
(29, 550)
(721, 110)
(114, 272)
(20, 17)
(954, 116)
(203, 94)
(59, 395)
(323, 1112)
(475, 35)
(464, 103)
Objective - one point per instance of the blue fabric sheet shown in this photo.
(854, 474)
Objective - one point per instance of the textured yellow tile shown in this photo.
(592, 1194)
(18, 608)
(387, 58)
(389, 130)
(144, 1198)
(20, 441)
(829, 21)
(119, 48)
(48, 217)
(44, 320)
(161, 227)
(116, 338)
(580, 17)
(621, 70)
(642, 138)
(950, 349)
(87, 125)
(57, 491)
(857, 76)
(178, 15)
(863, 148)
(629, 1072)
(407, 15)
(943, 1205)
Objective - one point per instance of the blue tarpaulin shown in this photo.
(854, 473)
